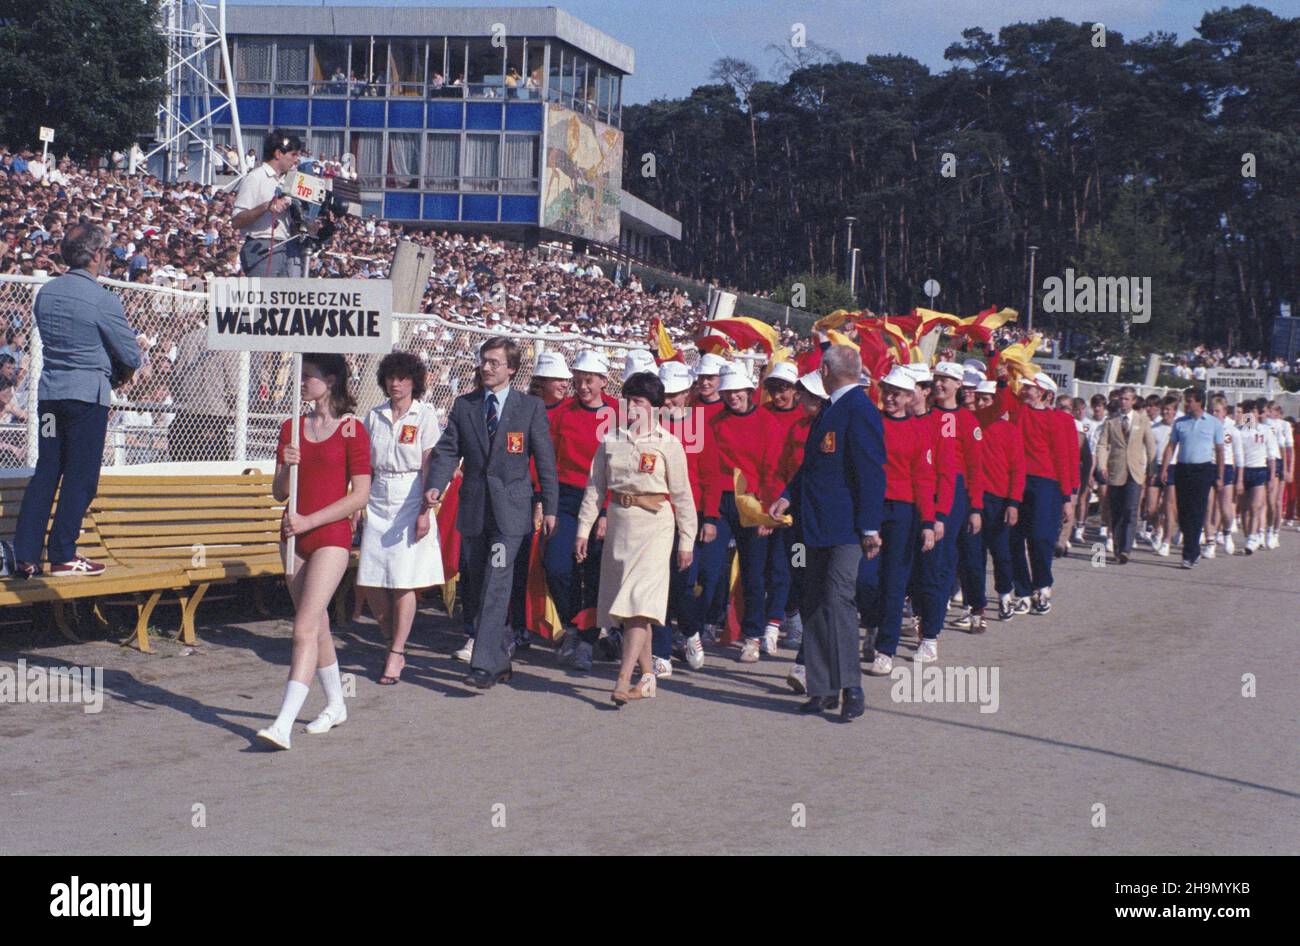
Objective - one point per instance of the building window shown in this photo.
(486, 70)
(519, 164)
(482, 162)
(403, 170)
(555, 84)
(442, 162)
(327, 145)
(291, 65)
(330, 67)
(253, 66)
(367, 149)
(406, 67)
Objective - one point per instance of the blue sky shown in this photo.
(676, 41)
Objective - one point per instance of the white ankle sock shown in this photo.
(295, 694)
(329, 678)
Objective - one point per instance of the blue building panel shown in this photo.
(329, 113)
(290, 113)
(441, 206)
(401, 206)
(221, 116)
(483, 116)
(368, 114)
(253, 111)
(480, 208)
(405, 115)
(446, 114)
(518, 208)
(524, 117)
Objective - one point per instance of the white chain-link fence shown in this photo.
(189, 403)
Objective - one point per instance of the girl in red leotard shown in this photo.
(334, 454)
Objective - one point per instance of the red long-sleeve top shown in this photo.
(1004, 460)
(909, 464)
(731, 442)
(1073, 458)
(784, 457)
(684, 430)
(944, 461)
(968, 449)
(574, 429)
(1047, 445)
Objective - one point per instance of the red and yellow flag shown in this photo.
(662, 345)
(747, 332)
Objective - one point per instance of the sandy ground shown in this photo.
(1128, 696)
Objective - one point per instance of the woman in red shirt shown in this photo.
(334, 454)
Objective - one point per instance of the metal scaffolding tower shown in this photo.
(200, 83)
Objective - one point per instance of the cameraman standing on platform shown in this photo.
(262, 212)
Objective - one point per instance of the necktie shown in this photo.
(1125, 424)
(491, 415)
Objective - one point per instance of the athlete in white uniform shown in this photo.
(1259, 453)
(1284, 465)
(1164, 505)
(1221, 516)
(1091, 422)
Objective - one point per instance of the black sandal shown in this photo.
(387, 681)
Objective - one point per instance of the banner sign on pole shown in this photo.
(47, 134)
(346, 316)
(1060, 370)
(1242, 382)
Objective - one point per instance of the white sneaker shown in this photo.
(881, 666)
(1102, 532)
(694, 652)
(1207, 551)
(1077, 535)
(963, 622)
(770, 635)
(959, 599)
(797, 678)
(1163, 551)
(1153, 540)
(327, 720)
(1022, 605)
(927, 652)
(1229, 547)
(1273, 540)
(1110, 544)
(749, 651)
(466, 653)
(1252, 543)
(663, 668)
(275, 738)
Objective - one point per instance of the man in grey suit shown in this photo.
(495, 430)
(1126, 449)
(88, 347)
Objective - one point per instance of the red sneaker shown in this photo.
(79, 566)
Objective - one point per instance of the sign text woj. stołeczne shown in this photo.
(302, 315)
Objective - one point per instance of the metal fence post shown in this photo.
(241, 407)
(33, 394)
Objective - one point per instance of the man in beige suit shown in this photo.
(1125, 452)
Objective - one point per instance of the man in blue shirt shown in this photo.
(88, 346)
(1198, 438)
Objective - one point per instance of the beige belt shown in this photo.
(650, 501)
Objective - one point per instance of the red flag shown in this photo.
(715, 345)
(747, 332)
(662, 345)
(448, 534)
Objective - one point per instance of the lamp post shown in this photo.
(848, 253)
(1033, 251)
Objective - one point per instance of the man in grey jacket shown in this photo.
(495, 431)
(87, 344)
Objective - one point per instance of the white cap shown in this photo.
(972, 378)
(638, 360)
(550, 364)
(949, 369)
(987, 387)
(812, 383)
(709, 363)
(735, 377)
(783, 371)
(899, 377)
(675, 376)
(1043, 381)
(920, 372)
(592, 361)
(974, 364)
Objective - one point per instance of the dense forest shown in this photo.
(1174, 160)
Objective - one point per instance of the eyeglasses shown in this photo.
(492, 363)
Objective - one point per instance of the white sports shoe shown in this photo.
(1252, 543)
(749, 651)
(1110, 544)
(1102, 533)
(959, 599)
(1273, 540)
(963, 622)
(797, 678)
(466, 653)
(1022, 606)
(881, 666)
(663, 668)
(770, 635)
(694, 652)
(1229, 547)
(327, 720)
(275, 738)
(927, 652)
(1163, 551)
(1077, 535)
(1208, 551)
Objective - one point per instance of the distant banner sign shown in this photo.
(1237, 380)
(303, 315)
(1060, 370)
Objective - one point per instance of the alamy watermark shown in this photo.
(24, 684)
(1116, 295)
(927, 683)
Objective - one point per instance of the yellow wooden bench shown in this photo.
(144, 581)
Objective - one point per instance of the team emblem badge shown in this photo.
(979, 434)
(647, 463)
(408, 434)
(515, 441)
(828, 442)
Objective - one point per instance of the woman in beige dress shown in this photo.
(643, 467)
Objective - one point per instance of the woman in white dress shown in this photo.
(642, 468)
(399, 547)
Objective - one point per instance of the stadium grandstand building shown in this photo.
(498, 120)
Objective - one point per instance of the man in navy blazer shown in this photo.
(838, 496)
(87, 347)
(494, 431)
